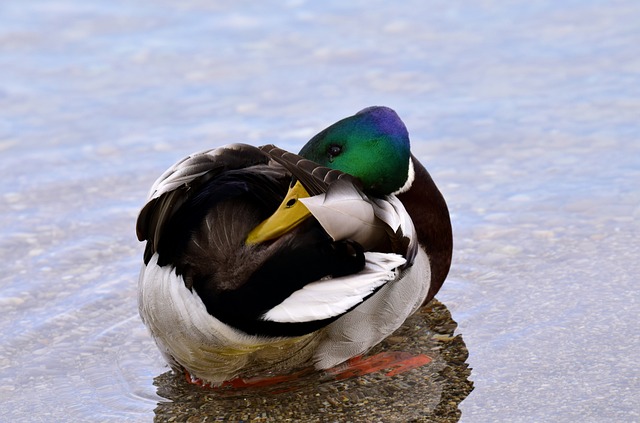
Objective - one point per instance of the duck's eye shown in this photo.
(291, 202)
(334, 150)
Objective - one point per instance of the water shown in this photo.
(525, 114)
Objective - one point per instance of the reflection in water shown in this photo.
(427, 384)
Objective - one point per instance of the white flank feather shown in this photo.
(391, 211)
(345, 213)
(375, 319)
(328, 298)
(169, 308)
(188, 335)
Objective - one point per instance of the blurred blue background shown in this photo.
(526, 114)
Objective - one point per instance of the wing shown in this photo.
(328, 298)
(315, 178)
(175, 186)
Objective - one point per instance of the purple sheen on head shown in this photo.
(386, 120)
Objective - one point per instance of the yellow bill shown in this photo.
(289, 214)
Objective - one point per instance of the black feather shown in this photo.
(314, 177)
(308, 256)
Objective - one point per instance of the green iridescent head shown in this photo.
(372, 145)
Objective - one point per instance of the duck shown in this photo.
(259, 261)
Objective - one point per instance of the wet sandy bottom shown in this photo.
(424, 379)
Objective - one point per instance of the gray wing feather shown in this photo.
(315, 178)
(176, 184)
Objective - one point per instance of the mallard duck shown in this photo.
(259, 261)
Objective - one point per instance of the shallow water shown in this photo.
(417, 374)
(525, 115)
